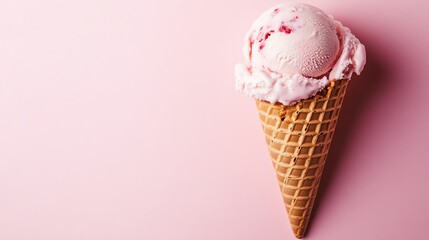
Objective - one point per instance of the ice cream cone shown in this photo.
(298, 139)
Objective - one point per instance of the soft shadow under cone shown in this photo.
(298, 138)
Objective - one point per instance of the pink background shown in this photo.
(119, 120)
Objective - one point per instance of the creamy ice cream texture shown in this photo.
(294, 50)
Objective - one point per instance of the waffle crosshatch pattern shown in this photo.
(298, 139)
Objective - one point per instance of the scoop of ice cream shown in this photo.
(294, 38)
(294, 50)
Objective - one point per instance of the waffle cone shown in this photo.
(298, 139)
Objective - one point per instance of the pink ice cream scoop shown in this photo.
(294, 50)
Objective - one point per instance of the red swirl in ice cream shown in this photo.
(294, 50)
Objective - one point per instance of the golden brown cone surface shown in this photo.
(298, 139)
